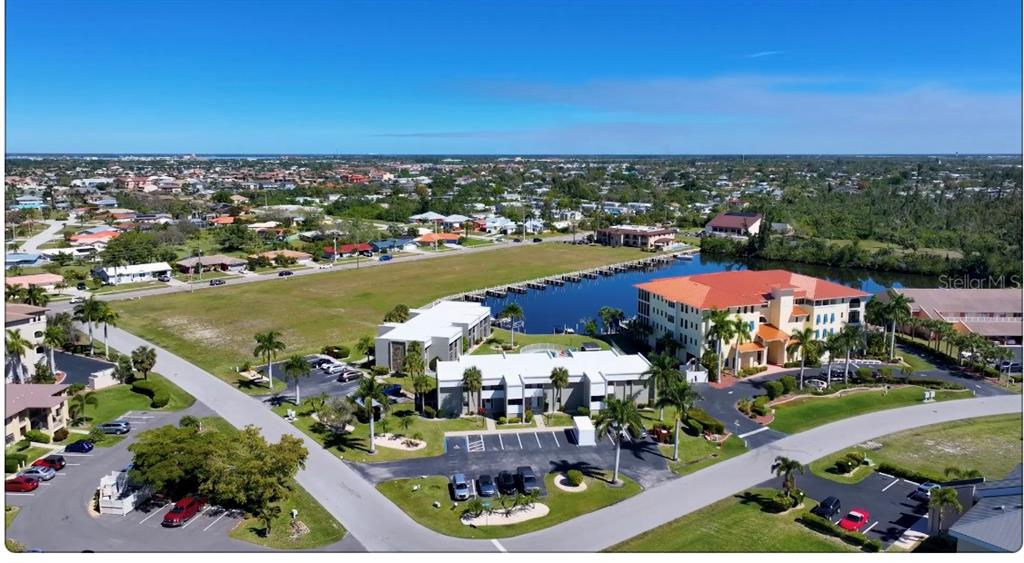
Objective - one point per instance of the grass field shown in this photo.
(572, 341)
(323, 528)
(917, 363)
(803, 414)
(734, 524)
(446, 519)
(355, 445)
(992, 445)
(10, 513)
(695, 452)
(215, 329)
(113, 402)
(31, 454)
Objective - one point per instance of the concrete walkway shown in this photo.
(381, 526)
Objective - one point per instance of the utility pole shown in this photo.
(334, 258)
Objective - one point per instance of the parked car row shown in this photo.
(524, 481)
(119, 426)
(28, 479)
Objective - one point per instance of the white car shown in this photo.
(77, 300)
(336, 368)
(326, 266)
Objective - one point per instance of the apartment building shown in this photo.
(444, 330)
(30, 322)
(515, 383)
(773, 304)
(639, 236)
(34, 407)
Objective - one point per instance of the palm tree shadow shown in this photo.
(587, 469)
(749, 497)
(345, 441)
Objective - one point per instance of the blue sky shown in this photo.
(513, 77)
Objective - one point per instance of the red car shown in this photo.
(183, 511)
(20, 484)
(54, 462)
(854, 520)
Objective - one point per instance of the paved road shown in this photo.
(272, 276)
(33, 243)
(381, 526)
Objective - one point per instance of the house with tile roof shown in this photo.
(736, 224)
(29, 406)
(772, 303)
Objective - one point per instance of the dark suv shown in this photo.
(828, 508)
(506, 483)
(527, 479)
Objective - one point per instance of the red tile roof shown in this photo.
(747, 287)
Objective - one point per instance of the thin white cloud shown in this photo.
(760, 54)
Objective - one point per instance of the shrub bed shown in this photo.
(908, 474)
(699, 421)
(774, 389)
(575, 477)
(158, 395)
(825, 526)
(14, 461)
(38, 436)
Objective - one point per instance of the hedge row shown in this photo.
(910, 475)
(699, 421)
(14, 461)
(825, 526)
(158, 395)
(38, 436)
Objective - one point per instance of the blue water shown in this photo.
(569, 306)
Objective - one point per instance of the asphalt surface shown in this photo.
(544, 450)
(351, 498)
(78, 368)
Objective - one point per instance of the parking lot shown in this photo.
(886, 499)
(56, 517)
(494, 442)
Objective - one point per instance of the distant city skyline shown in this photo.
(543, 78)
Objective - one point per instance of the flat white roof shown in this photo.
(138, 269)
(582, 423)
(516, 368)
(441, 320)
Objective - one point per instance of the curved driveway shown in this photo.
(381, 526)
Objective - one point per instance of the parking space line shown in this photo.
(196, 517)
(502, 442)
(537, 436)
(498, 545)
(555, 436)
(871, 526)
(518, 437)
(886, 488)
(155, 512)
(912, 483)
(20, 494)
(69, 464)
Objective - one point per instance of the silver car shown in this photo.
(460, 487)
(39, 472)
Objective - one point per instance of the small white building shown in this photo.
(443, 330)
(118, 495)
(116, 275)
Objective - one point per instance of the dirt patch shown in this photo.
(504, 518)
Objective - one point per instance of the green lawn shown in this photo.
(917, 363)
(572, 341)
(557, 419)
(476, 242)
(695, 453)
(215, 329)
(735, 524)
(103, 289)
(446, 519)
(803, 414)
(323, 528)
(32, 453)
(115, 401)
(992, 445)
(354, 446)
(10, 513)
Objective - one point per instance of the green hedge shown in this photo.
(14, 461)
(157, 393)
(774, 389)
(575, 477)
(908, 474)
(760, 405)
(699, 421)
(38, 436)
(788, 384)
(825, 526)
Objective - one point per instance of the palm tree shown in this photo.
(365, 345)
(371, 390)
(268, 344)
(680, 396)
(614, 418)
(664, 371)
(720, 330)
(16, 348)
(942, 498)
(835, 343)
(472, 383)
(852, 336)
(144, 359)
(514, 313)
(13, 293)
(87, 313)
(897, 311)
(76, 407)
(36, 295)
(559, 381)
(108, 317)
(421, 384)
(295, 369)
(801, 339)
(412, 364)
(53, 337)
(787, 467)
(741, 331)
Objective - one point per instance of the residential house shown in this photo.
(134, 273)
(29, 406)
(444, 331)
(734, 224)
(346, 250)
(47, 281)
(515, 383)
(992, 520)
(773, 304)
(300, 257)
(29, 322)
(393, 245)
(23, 260)
(214, 262)
(437, 238)
(639, 236)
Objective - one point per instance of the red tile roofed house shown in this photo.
(734, 224)
(102, 237)
(45, 281)
(773, 304)
(440, 238)
(223, 220)
(346, 250)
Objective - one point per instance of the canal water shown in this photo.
(559, 307)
